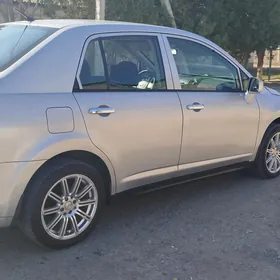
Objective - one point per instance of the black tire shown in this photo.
(260, 162)
(30, 214)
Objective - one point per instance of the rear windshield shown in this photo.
(17, 40)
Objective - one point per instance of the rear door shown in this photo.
(129, 113)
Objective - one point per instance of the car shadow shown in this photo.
(127, 210)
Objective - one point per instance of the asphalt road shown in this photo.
(227, 227)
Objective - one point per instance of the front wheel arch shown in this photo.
(276, 121)
(274, 127)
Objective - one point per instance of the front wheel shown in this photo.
(62, 203)
(268, 158)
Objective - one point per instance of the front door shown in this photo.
(220, 124)
(129, 113)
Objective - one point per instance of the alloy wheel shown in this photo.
(273, 154)
(69, 206)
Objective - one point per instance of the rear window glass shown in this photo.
(18, 40)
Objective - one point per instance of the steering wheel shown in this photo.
(193, 82)
(197, 81)
(147, 79)
(142, 72)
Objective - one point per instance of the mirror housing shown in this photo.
(255, 86)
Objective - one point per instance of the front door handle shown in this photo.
(102, 111)
(195, 107)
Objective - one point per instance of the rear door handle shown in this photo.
(102, 111)
(195, 107)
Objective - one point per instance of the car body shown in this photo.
(171, 121)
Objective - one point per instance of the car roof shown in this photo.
(118, 26)
(106, 25)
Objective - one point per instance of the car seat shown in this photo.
(125, 73)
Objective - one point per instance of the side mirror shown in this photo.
(255, 86)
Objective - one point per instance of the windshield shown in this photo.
(17, 40)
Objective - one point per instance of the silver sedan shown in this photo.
(90, 109)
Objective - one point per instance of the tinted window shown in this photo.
(134, 63)
(17, 40)
(92, 74)
(201, 68)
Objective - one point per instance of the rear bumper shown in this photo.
(14, 178)
(5, 221)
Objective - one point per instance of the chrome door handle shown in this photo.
(195, 107)
(101, 111)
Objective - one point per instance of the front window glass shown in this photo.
(201, 68)
(18, 40)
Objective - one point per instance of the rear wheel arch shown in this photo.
(92, 160)
(80, 155)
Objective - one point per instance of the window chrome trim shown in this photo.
(173, 66)
(165, 63)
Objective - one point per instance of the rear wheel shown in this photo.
(62, 203)
(268, 158)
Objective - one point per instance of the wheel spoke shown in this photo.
(277, 139)
(51, 211)
(83, 214)
(272, 143)
(269, 151)
(87, 202)
(269, 159)
(54, 222)
(76, 185)
(277, 161)
(85, 191)
(74, 224)
(55, 197)
(64, 227)
(274, 164)
(271, 164)
(65, 187)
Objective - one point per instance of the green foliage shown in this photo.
(190, 15)
(144, 11)
(76, 9)
(239, 26)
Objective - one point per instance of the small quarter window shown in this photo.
(202, 69)
(17, 40)
(92, 75)
(245, 80)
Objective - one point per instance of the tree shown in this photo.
(100, 9)
(25, 6)
(189, 15)
(266, 31)
(240, 27)
(167, 5)
(144, 11)
(6, 9)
